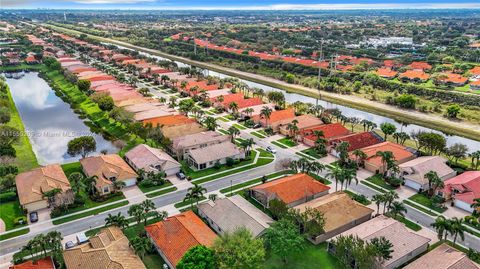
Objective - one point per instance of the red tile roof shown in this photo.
(475, 70)
(329, 130)
(170, 120)
(453, 78)
(399, 152)
(249, 102)
(386, 72)
(415, 74)
(45, 263)
(467, 185)
(358, 140)
(177, 234)
(292, 188)
(420, 65)
(277, 115)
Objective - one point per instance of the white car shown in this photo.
(271, 150)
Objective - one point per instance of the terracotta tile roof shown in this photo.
(107, 166)
(329, 130)
(45, 263)
(399, 152)
(33, 184)
(169, 120)
(292, 188)
(358, 140)
(107, 250)
(338, 209)
(386, 72)
(174, 131)
(453, 78)
(277, 115)
(229, 98)
(415, 74)
(475, 83)
(475, 70)
(443, 257)
(243, 103)
(467, 185)
(304, 121)
(420, 65)
(389, 63)
(404, 240)
(177, 234)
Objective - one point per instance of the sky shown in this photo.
(239, 4)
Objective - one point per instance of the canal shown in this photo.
(49, 122)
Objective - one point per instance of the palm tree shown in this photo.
(90, 183)
(360, 156)
(475, 156)
(196, 192)
(141, 245)
(397, 209)
(475, 205)
(248, 111)
(147, 206)
(233, 131)
(386, 157)
(265, 113)
(247, 144)
(213, 197)
(234, 107)
(210, 123)
(117, 220)
(434, 182)
(457, 228)
(136, 211)
(76, 181)
(350, 174)
(390, 197)
(442, 226)
(336, 173)
(378, 199)
(118, 185)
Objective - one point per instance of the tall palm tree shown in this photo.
(196, 192)
(147, 206)
(397, 209)
(386, 157)
(378, 199)
(247, 144)
(336, 173)
(442, 226)
(457, 228)
(233, 131)
(210, 123)
(360, 156)
(475, 205)
(136, 211)
(90, 183)
(234, 107)
(390, 197)
(141, 245)
(350, 174)
(118, 185)
(76, 181)
(265, 113)
(117, 220)
(434, 182)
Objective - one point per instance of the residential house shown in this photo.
(406, 244)
(292, 190)
(255, 110)
(231, 213)
(303, 122)
(108, 169)
(373, 163)
(443, 257)
(475, 85)
(45, 263)
(452, 79)
(414, 75)
(175, 235)
(152, 160)
(209, 156)
(462, 189)
(413, 172)
(275, 118)
(106, 250)
(330, 131)
(386, 73)
(341, 213)
(173, 131)
(420, 66)
(33, 184)
(356, 141)
(183, 144)
(169, 120)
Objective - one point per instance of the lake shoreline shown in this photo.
(463, 129)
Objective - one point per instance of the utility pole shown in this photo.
(320, 58)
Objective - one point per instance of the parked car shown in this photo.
(69, 244)
(271, 150)
(33, 217)
(181, 175)
(256, 126)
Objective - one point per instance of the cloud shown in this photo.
(93, 2)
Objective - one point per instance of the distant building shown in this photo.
(443, 257)
(462, 189)
(413, 172)
(373, 163)
(45, 263)
(152, 160)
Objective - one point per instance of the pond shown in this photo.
(49, 122)
(347, 111)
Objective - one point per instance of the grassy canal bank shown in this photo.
(426, 120)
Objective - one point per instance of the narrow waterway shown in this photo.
(49, 122)
(472, 145)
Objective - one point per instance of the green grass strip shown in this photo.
(426, 211)
(305, 156)
(14, 234)
(89, 213)
(279, 144)
(373, 186)
(239, 127)
(257, 134)
(161, 192)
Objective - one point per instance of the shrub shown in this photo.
(230, 162)
(8, 169)
(7, 197)
(20, 220)
(217, 165)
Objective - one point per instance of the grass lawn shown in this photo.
(223, 131)
(379, 181)
(153, 188)
(354, 196)
(310, 257)
(223, 119)
(257, 134)
(425, 201)
(301, 154)
(426, 211)
(26, 159)
(287, 142)
(161, 192)
(205, 172)
(9, 211)
(70, 168)
(89, 213)
(373, 186)
(409, 224)
(279, 144)
(253, 181)
(312, 152)
(239, 126)
(14, 234)
(264, 153)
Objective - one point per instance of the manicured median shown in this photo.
(253, 181)
(14, 234)
(161, 192)
(89, 213)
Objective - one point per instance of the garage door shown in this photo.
(412, 184)
(130, 182)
